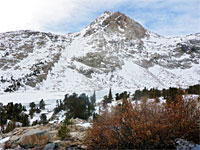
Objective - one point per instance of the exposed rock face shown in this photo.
(16, 48)
(34, 138)
(117, 22)
(121, 23)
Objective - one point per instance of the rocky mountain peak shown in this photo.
(113, 51)
(117, 22)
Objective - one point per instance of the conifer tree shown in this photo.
(63, 132)
(32, 105)
(42, 104)
(117, 96)
(67, 121)
(93, 98)
(110, 96)
(43, 119)
(31, 113)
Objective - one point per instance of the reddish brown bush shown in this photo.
(148, 125)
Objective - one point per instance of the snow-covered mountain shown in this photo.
(113, 51)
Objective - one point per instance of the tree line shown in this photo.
(168, 94)
(153, 93)
(12, 115)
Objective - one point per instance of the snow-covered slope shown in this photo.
(113, 51)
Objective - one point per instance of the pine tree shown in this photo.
(117, 97)
(91, 105)
(31, 113)
(93, 98)
(37, 110)
(32, 105)
(25, 120)
(67, 121)
(42, 104)
(43, 119)
(110, 98)
(63, 132)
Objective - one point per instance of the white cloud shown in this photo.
(42, 14)
(171, 17)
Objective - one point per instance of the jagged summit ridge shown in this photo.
(117, 22)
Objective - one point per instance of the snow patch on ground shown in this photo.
(86, 125)
(2, 141)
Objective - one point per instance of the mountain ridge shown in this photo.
(113, 51)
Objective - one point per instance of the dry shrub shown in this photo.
(148, 125)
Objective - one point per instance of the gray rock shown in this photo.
(50, 146)
(34, 138)
(20, 148)
(186, 145)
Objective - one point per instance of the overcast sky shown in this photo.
(165, 17)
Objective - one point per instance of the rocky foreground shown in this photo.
(45, 137)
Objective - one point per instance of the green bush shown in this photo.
(10, 127)
(63, 132)
(67, 121)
